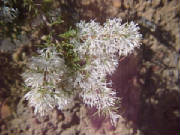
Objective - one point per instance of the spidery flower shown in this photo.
(99, 47)
(43, 76)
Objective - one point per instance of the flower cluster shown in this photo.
(7, 13)
(99, 47)
(44, 75)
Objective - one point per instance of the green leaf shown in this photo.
(68, 34)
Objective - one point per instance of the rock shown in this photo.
(5, 111)
(117, 3)
(6, 45)
(85, 2)
(156, 3)
(149, 14)
(128, 4)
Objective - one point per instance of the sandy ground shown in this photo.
(147, 81)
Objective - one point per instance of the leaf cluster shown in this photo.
(67, 49)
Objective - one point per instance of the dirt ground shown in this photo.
(147, 81)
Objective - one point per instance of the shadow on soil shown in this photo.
(151, 107)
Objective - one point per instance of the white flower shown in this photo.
(47, 67)
(101, 46)
(33, 80)
(43, 76)
(41, 100)
(48, 59)
(45, 99)
(110, 38)
(114, 117)
(8, 14)
(62, 99)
